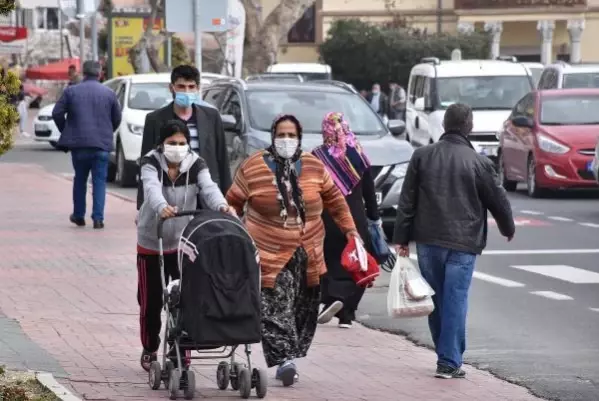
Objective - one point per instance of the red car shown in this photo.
(549, 141)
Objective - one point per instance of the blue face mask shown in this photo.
(185, 99)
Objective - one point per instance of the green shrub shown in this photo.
(362, 53)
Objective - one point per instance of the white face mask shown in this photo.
(176, 153)
(286, 147)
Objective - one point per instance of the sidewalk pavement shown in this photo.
(73, 291)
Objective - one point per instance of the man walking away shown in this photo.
(397, 102)
(204, 124)
(378, 101)
(443, 208)
(92, 113)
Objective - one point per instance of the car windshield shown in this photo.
(483, 93)
(310, 108)
(536, 72)
(570, 110)
(149, 96)
(581, 80)
(307, 76)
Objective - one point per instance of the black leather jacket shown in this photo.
(446, 193)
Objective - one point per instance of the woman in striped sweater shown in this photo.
(281, 193)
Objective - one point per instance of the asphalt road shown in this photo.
(534, 304)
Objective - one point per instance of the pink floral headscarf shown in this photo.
(336, 134)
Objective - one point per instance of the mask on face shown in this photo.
(176, 153)
(286, 147)
(185, 99)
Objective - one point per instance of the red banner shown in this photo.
(11, 33)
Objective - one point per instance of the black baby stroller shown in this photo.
(213, 308)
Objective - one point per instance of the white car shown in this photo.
(44, 128)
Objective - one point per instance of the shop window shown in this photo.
(47, 18)
(304, 30)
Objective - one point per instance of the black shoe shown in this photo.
(446, 372)
(98, 224)
(78, 221)
(146, 359)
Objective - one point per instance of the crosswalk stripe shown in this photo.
(562, 272)
(594, 309)
(497, 280)
(592, 225)
(552, 295)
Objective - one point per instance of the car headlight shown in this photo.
(399, 171)
(549, 145)
(136, 129)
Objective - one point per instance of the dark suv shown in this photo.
(248, 109)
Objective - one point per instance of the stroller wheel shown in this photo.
(168, 368)
(190, 385)
(245, 383)
(260, 381)
(154, 375)
(234, 375)
(174, 384)
(223, 375)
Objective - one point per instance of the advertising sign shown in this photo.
(125, 32)
(11, 33)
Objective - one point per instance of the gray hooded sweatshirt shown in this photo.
(159, 191)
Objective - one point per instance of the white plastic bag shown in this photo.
(409, 294)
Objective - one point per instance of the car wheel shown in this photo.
(125, 174)
(509, 185)
(532, 186)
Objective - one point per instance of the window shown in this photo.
(213, 95)
(416, 87)
(149, 96)
(304, 30)
(113, 84)
(483, 92)
(121, 95)
(233, 107)
(581, 80)
(570, 110)
(525, 107)
(47, 18)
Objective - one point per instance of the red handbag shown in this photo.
(350, 260)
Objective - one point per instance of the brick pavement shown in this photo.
(73, 292)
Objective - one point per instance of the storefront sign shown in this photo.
(125, 32)
(478, 4)
(11, 33)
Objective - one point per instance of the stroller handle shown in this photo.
(178, 214)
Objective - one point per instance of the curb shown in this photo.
(47, 380)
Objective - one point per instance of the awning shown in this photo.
(58, 71)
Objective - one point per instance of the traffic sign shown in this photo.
(180, 15)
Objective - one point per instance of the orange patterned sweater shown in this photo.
(255, 193)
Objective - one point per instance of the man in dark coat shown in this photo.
(204, 123)
(443, 206)
(92, 115)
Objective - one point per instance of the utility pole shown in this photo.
(94, 36)
(81, 16)
(198, 34)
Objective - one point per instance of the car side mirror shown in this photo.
(397, 127)
(419, 104)
(523, 122)
(229, 122)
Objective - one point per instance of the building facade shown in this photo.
(532, 30)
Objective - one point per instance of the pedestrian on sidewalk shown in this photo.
(172, 178)
(87, 114)
(283, 191)
(443, 206)
(349, 167)
(204, 123)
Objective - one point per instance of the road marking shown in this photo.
(540, 251)
(497, 280)
(562, 272)
(558, 218)
(553, 295)
(523, 221)
(531, 212)
(592, 225)
(594, 309)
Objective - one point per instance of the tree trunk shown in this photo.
(265, 36)
(146, 46)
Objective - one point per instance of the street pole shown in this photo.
(61, 27)
(169, 50)
(81, 16)
(198, 34)
(439, 15)
(94, 36)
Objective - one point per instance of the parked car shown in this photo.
(248, 109)
(491, 87)
(275, 77)
(44, 128)
(562, 75)
(595, 163)
(549, 141)
(308, 71)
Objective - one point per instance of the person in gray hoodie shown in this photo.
(172, 178)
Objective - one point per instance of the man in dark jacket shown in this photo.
(92, 115)
(443, 207)
(204, 123)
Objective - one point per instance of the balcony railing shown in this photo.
(495, 4)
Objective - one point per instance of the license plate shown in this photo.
(590, 166)
(379, 198)
(41, 127)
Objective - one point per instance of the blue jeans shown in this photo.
(449, 273)
(84, 162)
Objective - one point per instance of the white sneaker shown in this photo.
(329, 312)
(345, 325)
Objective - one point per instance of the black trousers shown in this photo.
(149, 295)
